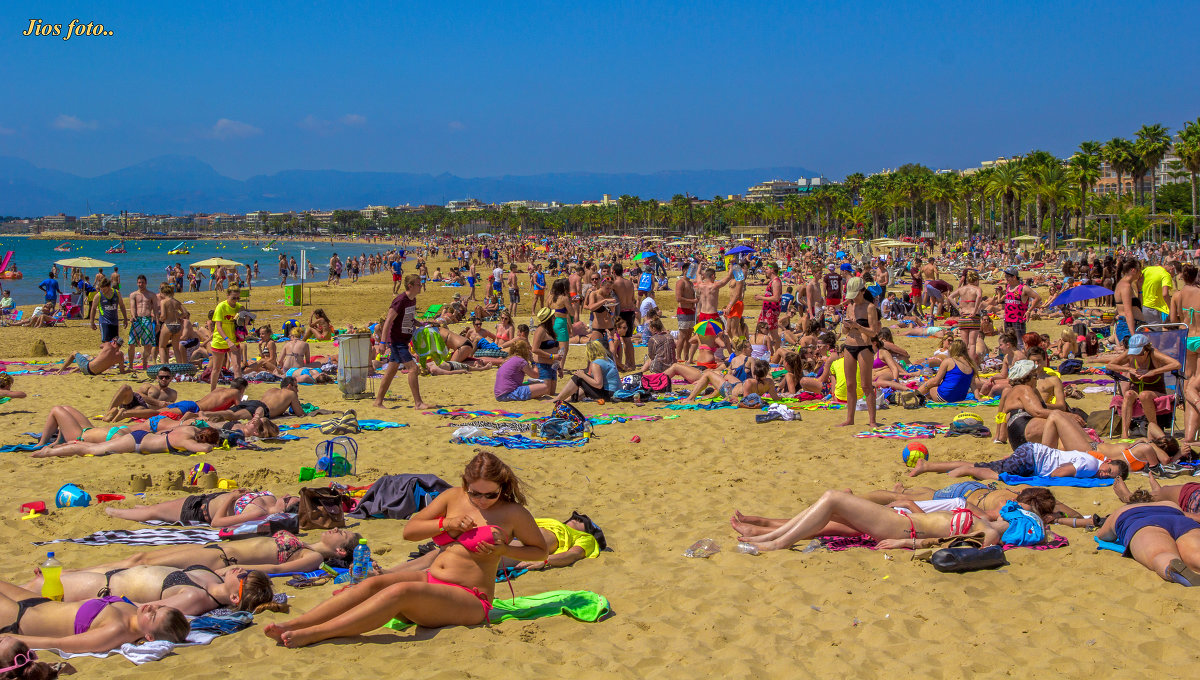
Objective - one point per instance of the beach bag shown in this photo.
(320, 509)
(347, 423)
(632, 381)
(578, 423)
(555, 428)
(656, 382)
(958, 559)
(1070, 366)
(1024, 527)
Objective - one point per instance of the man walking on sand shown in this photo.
(143, 332)
(398, 328)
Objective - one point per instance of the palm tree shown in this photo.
(1007, 182)
(1052, 186)
(1119, 153)
(1188, 151)
(1152, 146)
(854, 183)
(943, 191)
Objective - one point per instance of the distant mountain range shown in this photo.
(180, 185)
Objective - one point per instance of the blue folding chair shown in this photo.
(1171, 340)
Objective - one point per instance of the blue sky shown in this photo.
(530, 87)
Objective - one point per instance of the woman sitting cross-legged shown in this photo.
(473, 524)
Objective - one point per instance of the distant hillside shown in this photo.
(180, 185)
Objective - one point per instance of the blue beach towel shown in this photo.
(1108, 545)
(15, 448)
(1082, 482)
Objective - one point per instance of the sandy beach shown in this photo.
(1069, 612)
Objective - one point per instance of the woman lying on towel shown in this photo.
(96, 625)
(193, 591)
(839, 513)
(989, 499)
(221, 509)
(473, 524)
(1159, 536)
(280, 553)
(186, 439)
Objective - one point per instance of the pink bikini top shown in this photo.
(469, 539)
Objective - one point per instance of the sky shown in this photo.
(499, 88)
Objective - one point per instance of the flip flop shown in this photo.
(1179, 572)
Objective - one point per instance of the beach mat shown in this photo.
(581, 605)
(1081, 482)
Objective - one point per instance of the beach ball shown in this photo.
(198, 471)
(71, 496)
(913, 453)
(335, 466)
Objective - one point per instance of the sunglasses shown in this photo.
(241, 584)
(21, 660)
(491, 495)
(164, 377)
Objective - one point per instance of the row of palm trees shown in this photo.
(1036, 193)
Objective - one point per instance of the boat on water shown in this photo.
(179, 250)
(64, 247)
(117, 249)
(270, 247)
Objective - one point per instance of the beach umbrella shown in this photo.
(217, 262)
(708, 327)
(678, 243)
(643, 255)
(1079, 294)
(1079, 239)
(739, 250)
(1027, 238)
(83, 262)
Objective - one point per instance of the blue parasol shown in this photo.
(1079, 294)
(739, 250)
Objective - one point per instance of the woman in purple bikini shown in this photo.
(97, 625)
(472, 526)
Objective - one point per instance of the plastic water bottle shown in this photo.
(693, 270)
(52, 578)
(361, 566)
(739, 274)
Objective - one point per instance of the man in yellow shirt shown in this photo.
(224, 339)
(1157, 284)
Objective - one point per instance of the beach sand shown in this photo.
(1071, 612)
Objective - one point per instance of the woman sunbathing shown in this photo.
(1186, 496)
(193, 591)
(839, 513)
(186, 439)
(221, 509)
(6, 390)
(473, 524)
(1160, 537)
(280, 553)
(989, 499)
(1063, 431)
(95, 625)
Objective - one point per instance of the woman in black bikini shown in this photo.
(222, 509)
(186, 439)
(473, 524)
(862, 327)
(193, 590)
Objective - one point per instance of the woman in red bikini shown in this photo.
(472, 525)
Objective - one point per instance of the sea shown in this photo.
(34, 257)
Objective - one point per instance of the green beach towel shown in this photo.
(429, 345)
(582, 605)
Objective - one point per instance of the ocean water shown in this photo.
(34, 257)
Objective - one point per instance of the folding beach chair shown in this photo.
(1171, 340)
(12, 318)
(431, 313)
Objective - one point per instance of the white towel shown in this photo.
(145, 652)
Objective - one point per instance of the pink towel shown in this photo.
(1162, 404)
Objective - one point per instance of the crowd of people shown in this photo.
(831, 327)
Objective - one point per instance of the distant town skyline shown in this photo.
(496, 89)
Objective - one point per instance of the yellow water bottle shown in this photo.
(52, 578)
